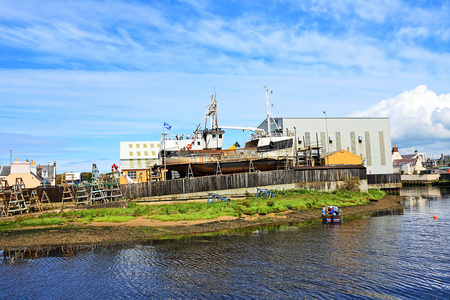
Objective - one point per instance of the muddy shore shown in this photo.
(142, 228)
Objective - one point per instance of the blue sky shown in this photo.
(78, 77)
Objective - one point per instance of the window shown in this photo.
(145, 145)
(44, 173)
(152, 145)
(158, 145)
(139, 153)
(132, 174)
(145, 153)
(131, 153)
(137, 145)
(153, 153)
(131, 145)
(220, 136)
(198, 143)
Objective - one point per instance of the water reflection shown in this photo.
(389, 256)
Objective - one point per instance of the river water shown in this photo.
(400, 254)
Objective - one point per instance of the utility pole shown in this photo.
(327, 137)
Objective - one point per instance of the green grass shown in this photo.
(43, 222)
(294, 200)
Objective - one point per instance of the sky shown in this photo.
(79, 77)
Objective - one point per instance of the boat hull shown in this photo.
(214, 168)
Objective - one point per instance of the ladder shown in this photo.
(17, 201)
(21, 184)
(46, 199)
(218, 169)
(81, 195)
(34, 201)
(190, 173)
(112, 187)
(67, 197)
(251, 167)
(5, 191)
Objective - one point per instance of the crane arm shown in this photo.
(259, 130)
(129, 180)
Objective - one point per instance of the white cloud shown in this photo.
(418, 118)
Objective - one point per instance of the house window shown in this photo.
(137, 145)
(153, 153)
(145, 153)
(145, 145)
(132, 174)
(152, 145)
(139, 153)
(130, 145)
(131, 153)
(158, 145)
(44, 173)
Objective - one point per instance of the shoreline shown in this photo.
(145, 229)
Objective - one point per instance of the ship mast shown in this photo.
(269, 114)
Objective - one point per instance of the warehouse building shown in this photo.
(369, 138)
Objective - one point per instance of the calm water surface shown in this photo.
(403, 254)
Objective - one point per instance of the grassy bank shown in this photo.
(294, 200)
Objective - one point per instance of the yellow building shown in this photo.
(341, 157)
(136, 158)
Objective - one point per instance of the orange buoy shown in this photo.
(435, 217)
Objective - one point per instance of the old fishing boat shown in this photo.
(201, 153)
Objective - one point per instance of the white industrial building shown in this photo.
(136, 157)
(369, 138)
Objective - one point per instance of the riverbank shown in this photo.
(142, 228)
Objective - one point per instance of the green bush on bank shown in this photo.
(294, 200)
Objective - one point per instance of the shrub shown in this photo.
(351, 184)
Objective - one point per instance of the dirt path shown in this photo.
(142, 228)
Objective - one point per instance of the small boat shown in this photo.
(331, 215)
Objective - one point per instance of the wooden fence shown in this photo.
(383, 178)
(242, 180)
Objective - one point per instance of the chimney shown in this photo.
(394, 149)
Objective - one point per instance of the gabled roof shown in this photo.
(323, 155)
(30, 180)
(399, 162)
(409, 156)
(5, 170)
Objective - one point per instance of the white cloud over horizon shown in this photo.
(417, 117)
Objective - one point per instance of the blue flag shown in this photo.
(167, 126)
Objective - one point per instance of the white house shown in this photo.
(408, 163)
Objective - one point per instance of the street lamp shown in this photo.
(326, 139)
(296, 147)
(164, 151)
